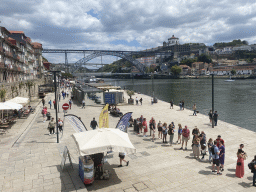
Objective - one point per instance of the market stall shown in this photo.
(93, 145)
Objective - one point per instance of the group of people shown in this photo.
(213, 117)
(52, 125)
(137, 101)
(216, 148)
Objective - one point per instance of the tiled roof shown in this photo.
(18, 32)
(36, 45)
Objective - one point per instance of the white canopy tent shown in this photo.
(103, 140)
(9, 106)
(19, 100)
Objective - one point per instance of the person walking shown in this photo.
(180, 104)
(210, 116)
(137, 101)
(141, 101)
(153, 129)
(122, 156)
(253, 170)
(151, 125)
(179, 133)
(183, 104)
(60, 125)
(219, 140)
(59, 96)
(93, 124)
(171, 104)
(83, 104)
(215, 157)
(194, 109)
(43, 102)
(50, 103)
(215, 118)
(185, 137)
(196, 146)
(159, 128)
(171, 133)
(51, 126)
(145, 127)
(240, 163)
(70, 103)
(44, 112)
(222, 155)
(164, 130)
(54, 104)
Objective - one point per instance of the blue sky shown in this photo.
(128, 24)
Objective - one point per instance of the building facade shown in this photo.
(20, 59)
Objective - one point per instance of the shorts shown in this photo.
(160, 129)
(216, 162)
(184, 139)
(44, 115)
(121, 156)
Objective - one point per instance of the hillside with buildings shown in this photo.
(195, 59)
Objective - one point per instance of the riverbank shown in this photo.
(33, 162)
(165, 76)
(160, 167)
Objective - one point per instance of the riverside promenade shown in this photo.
(30, 158)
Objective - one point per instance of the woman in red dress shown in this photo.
(145, 127)
(240, 163)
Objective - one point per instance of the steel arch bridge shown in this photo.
(82, 62)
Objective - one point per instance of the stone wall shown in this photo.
(14, 90)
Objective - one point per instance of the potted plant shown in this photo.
(130, 93)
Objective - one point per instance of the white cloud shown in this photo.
(95, 24)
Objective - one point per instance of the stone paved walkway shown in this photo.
(33, 162)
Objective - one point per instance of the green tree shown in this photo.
(205, 58)
(188, 61)
(130, 93)
(176, 70)
(2, 93)
(233, 71)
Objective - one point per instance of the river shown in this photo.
(234, 101)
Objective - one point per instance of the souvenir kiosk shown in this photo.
(93, 145)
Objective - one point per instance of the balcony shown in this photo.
(17, 57)
(1, 50)
(8, 54)
(2, 65)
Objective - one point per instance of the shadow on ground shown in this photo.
(246, 185)
(203, 172)
(101, 184)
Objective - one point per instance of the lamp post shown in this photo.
(212, 99)
(56, 101)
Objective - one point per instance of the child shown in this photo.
(203, 148)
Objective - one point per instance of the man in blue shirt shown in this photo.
(215, 157)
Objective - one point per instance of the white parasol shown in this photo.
(103, 140)
(9, 106)
(19, 100)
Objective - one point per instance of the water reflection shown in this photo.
(234, 101)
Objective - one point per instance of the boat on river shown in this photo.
(229, 80)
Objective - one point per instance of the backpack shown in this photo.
(251, 166)
(169, 132)
(212, 149)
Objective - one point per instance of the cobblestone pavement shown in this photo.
(30, 158)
